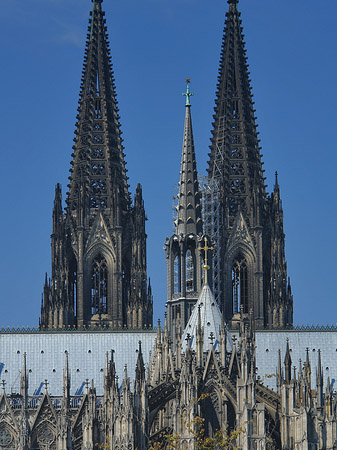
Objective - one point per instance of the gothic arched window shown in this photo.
(189, 271)
(7, 441)
(99, 286)
(72, 285)
(176, 274)
(240, 285)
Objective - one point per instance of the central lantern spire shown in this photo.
(99, 242)
(182, 249)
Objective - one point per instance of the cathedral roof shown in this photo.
(207, 314)
(46, 358)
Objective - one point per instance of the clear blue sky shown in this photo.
(155, 45)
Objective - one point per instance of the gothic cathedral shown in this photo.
(220, 373)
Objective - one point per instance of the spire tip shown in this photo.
(188, 94)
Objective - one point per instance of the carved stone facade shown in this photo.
(245, 222)
(99, 274)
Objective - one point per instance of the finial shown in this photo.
(205, 266)
(188, 94)
(95, 2)
(232, 2)
(276, 179)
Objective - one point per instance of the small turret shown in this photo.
(140, 368)
(287, 365)
(66, 383)
(24, 382)
(57, 210)
(279, 373)
(319, 383)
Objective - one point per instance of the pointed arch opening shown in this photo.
(240, 284)
(72, 288)
(190, 271)
(44, 437)
(176, 274)
(99, 285)
(7, 438)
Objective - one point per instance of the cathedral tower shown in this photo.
(246, 223)
(99, 242)
(182, 249)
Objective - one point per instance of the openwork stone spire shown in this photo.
(235, 157)
(98, 175)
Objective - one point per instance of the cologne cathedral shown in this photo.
(95, 372)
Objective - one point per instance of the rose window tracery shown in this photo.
(6, 438)
(45, 437)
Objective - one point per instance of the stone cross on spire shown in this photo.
(205, 266)
(188, 94)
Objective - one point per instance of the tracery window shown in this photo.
(99, 286)
(7, 441)
(240, 285)
(46, 437)
(189, 272)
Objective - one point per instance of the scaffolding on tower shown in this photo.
(210, 202)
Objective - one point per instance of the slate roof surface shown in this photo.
(46, 354)
(268, 344)
(87, 352)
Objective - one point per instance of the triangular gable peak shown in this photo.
(99, 234)
(234, 366)
(45, 412)
(77, 424)
(211, 366)
(6, 414)
(240, 237)
(44, 424)
(170, 367)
